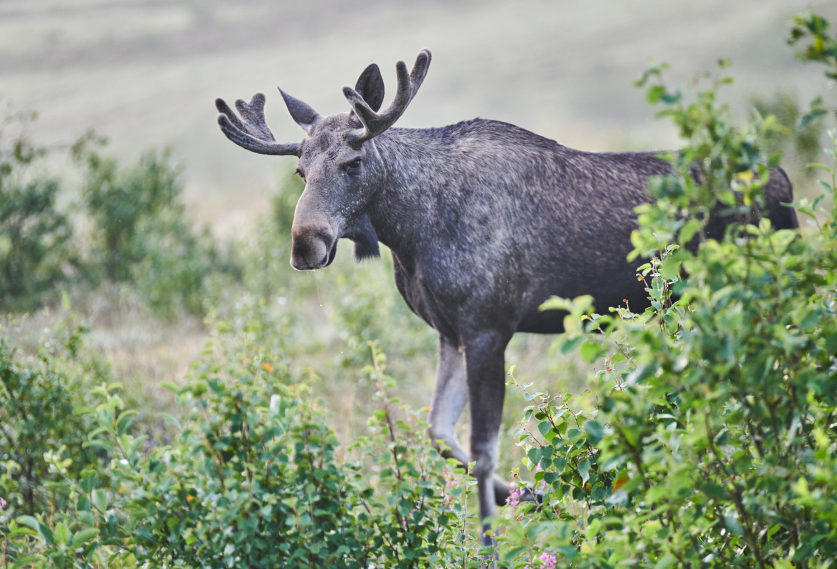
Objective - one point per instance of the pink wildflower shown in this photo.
(447, 499)
(514, 496)
(413, 511)
(547, 560)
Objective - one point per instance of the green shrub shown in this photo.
(119, 199)
(37, 399)
(799, 144)
(174, 263)
(141, 232)
(36, 249)
(712, 442)
(255, 478)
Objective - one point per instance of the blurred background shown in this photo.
(145, 74)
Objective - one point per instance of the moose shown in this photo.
(485, 221)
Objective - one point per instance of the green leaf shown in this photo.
(667, 561)
(170, 419)
(560, 463)
(556, 303)
(171, 386)
(688, 231)
(573, 433)
(733, 525)
(584, 470)
(46, 533)
(535, 454)
(595, 432)
(24, 531)
(655, 93)
(99, 444)
(100, 500)
(570, 344)
(84, 536)
(810, 117)
(62, 534)
(89, 480)
(590, 351)
(671, 267)
(818, 166)
(30, 522)
(21, 561)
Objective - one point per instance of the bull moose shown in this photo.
(485, 221)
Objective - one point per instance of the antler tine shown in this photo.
(251, 131)
(408, 85)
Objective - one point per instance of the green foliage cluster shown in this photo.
(37, 398)
(713, 441)
(799, 143)
(140, 232)
(253, 477)
(36, 248)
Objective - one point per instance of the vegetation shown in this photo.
(37, 253)
(707, 438)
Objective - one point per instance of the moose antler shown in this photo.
(408, 84)
(251, 131)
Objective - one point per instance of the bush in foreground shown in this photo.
(713, 439)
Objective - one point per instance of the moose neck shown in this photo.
(412, 173)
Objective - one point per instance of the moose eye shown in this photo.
(300, 174)
(353, 167)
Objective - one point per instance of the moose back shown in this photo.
(485, 221)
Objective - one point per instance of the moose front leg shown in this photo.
(449, 399)
(485, 374)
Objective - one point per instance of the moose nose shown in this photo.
(310, 250)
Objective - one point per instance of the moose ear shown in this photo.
(370, 86)
(302, 113)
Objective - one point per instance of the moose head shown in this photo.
(340, 171)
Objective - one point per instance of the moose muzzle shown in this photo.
(313, 248)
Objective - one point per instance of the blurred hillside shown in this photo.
(146, 72)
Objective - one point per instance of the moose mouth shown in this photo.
(332, 253)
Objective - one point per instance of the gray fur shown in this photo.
(485, 221)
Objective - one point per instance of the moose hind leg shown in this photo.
(485, 373)
(449, 398)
